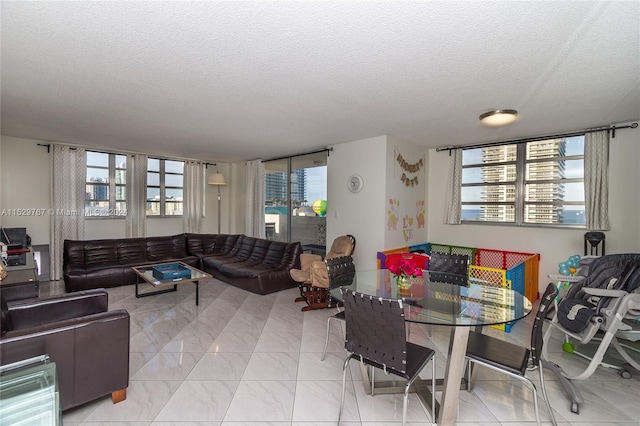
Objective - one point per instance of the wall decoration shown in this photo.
(392, 215)
(409, 182)
(420, 213)
(407, 228)
(410, 168)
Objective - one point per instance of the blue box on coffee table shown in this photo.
(171, 271)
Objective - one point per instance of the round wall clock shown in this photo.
(355, 183)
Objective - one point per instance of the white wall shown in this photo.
(554, 245)
(360, 214)
(24, 178)
(405, 203)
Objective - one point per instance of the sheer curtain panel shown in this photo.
(596, 180)
(453, 202)
(254, 219)
(68, 192)
(136, 220)
(193, 196)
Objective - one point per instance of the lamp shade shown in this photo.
(499, 117)
(216, 179)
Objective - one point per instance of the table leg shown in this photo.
(197, 291)
(139, 295)
(453, 375)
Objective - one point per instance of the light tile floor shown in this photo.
(244, 359)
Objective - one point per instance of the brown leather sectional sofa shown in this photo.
(254, 264)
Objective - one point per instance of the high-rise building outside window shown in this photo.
(165, 180)
(106, 187)
(533, 183)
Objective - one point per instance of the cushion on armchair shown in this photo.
(303, 275)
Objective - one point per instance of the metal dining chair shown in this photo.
(376, 337)
(341, 272)
(511, 359)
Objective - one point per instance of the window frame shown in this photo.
(113, 210)
(521, 183)
(163, 187)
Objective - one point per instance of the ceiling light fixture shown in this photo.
(499, 117)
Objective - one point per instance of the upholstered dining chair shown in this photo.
(313, 279)
(511, 359)
(374, 325)
(342, 273)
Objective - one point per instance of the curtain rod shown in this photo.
(611, 129)
(298, 155)
(104, 151)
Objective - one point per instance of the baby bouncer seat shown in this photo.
(604, 307)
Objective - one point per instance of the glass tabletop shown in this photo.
(146, 272)
(444, 299)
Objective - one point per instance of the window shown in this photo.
(106, 188)
(533, 183)
(164, 187)
(296, 198)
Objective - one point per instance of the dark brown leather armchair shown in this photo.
(88, 343)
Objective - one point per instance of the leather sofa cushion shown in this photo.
(244, 248)
(100, 253)
(132, 251)
(161, 248)
(207, 244)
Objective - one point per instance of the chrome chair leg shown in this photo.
(326, 341)
(344, 385)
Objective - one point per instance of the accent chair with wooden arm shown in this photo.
(313, 279)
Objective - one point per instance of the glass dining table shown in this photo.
(442, 299)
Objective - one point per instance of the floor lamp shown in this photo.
(217, 179)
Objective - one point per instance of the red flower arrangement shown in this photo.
(405, 266)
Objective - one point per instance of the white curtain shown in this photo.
(254, 219)
(68, 192)
(193, 207)
(453, 198)
(136, 221)
(596, 180)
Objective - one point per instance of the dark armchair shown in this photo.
(88, 343)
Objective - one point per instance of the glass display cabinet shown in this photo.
(29, 393)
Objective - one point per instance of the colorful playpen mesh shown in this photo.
(498, 277)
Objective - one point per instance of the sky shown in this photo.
(316, 184)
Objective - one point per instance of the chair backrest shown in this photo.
(375, 329)
(342, 246)
(546, 300)
(453, 263)
(449, 268)
(341, 271)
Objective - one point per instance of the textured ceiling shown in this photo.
(231, 81)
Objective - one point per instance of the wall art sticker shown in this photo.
(392, 214)
(420, 213)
